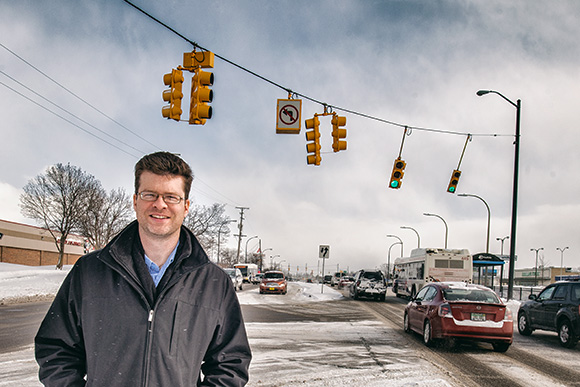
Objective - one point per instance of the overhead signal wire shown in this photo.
(293, 93)
(68, 112)
(78, 97)
(65, 119)
(96, 109)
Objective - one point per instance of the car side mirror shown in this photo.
(532, 297)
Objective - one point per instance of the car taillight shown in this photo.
(508, 316)
(358, 283)
(445, 310)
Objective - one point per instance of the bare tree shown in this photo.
(207, 223)
(57, 199)
(106, 216)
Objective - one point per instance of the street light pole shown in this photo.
(488, 216)
(562, 258)
(536, 269)
(502, 240)
(394, 236)
(418, 237)
(219, 234)
(389, 261)
(246, 256)
(444, 222)
(518, 106)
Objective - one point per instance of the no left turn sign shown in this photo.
(288, 116)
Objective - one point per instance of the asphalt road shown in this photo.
(19, 323)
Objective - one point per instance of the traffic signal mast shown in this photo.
(399, 166)
(173, 95)
(338, 132)
(452, 187)
(313, 135)
(397, 174)
(456, 174)
(201, 94)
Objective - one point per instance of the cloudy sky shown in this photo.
(382, 64)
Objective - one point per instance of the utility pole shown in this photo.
(240, 228)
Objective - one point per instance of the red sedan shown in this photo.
(459, 311)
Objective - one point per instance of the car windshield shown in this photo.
(373, 275)
(231, 272)
(273, 275)
(478, 295)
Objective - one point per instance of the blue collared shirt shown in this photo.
(156, 271)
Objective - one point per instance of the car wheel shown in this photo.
(427, 334)
(524, 324)
(406, 326)
(413, 293)
(566, 334)
(382, 297)
(501, 346)
(240, 286)
(355, 295)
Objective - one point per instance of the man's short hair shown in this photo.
(164, 163)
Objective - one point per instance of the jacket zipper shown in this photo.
(148, 348)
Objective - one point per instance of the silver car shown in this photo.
(236, 276)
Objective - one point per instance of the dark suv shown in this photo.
(556, 308)
(369, 283)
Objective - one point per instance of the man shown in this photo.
(149, 309)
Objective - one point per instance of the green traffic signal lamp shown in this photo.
(452, 187)
(397, 174)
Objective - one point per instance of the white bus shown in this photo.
(249, 271)
(430, 265)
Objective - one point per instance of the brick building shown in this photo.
(34, 246)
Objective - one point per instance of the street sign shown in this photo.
(324, 251)
(288, 116)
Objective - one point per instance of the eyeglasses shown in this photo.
(152, 196)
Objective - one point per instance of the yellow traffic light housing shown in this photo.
(314, 136)
(201, 95)
(338, 133)
(397, 174)
(452, 187)
(173, 95)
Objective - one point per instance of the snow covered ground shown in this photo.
(285, 354)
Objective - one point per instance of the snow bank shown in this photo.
(20, 283)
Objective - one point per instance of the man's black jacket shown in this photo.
(107, 323)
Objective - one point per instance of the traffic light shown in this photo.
(201, 95)
(314, 136)
(173, 95)
(397, 174)
(338, 133)
(454, 180)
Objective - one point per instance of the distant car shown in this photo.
(459, 311)
(327, 279)
(557, 309)
(345, 281)
(336, 278)
(369, 283)
(236, 276)
(274, 282)
(258, 278)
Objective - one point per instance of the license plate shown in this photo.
(478, 316)
(272, 289)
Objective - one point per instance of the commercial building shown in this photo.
(35, 246)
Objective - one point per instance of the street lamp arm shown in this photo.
(484, 92)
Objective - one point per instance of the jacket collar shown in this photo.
(190, 255)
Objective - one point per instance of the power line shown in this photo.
(67, 120)
(68, 112)
(96, 109)
(78, 97)
(293, 93)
